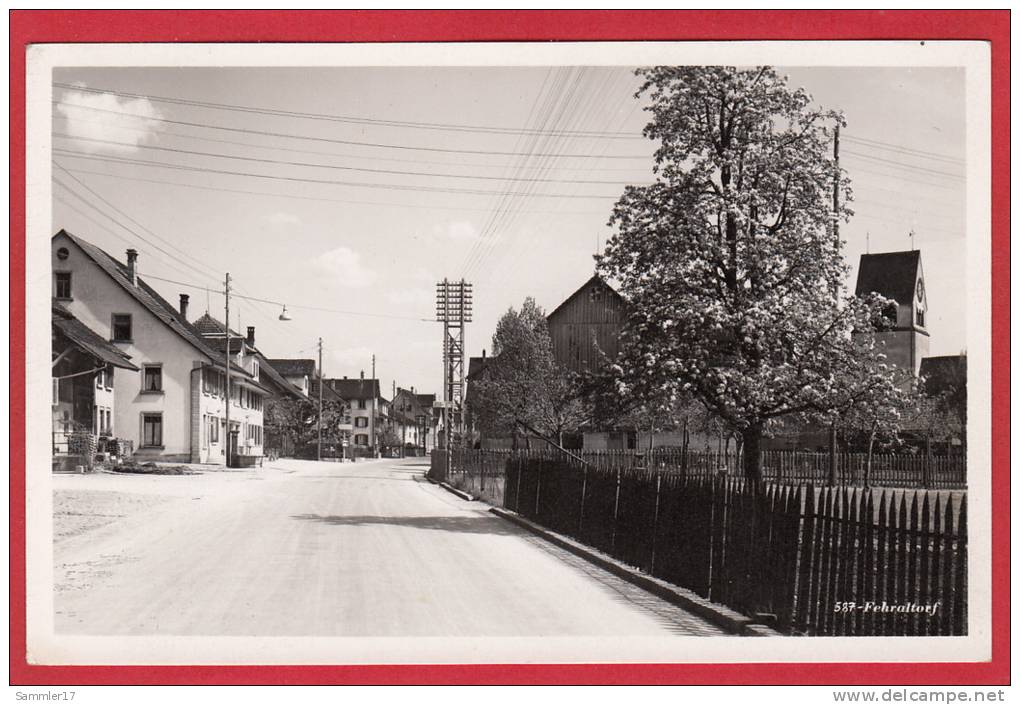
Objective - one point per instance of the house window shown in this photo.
(212, 430)
(63, 284)
(152, 378)
(121, 328)
(920, 317)
(255, 369)
(152, 430)
(104, 422)
(361, 439)
(361, 403)
(361, 422)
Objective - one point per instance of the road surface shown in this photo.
(301, 548)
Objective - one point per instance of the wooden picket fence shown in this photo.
(478, 471)
(805, 559)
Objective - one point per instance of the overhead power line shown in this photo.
(357, 184)
(388, 204)
(459, 162)
(904, 165)
(889, 146)
(339, 167)
(302, 307)
(486, 129)
(331, 140)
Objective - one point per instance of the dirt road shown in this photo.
(306, 548)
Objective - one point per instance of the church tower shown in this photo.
(900, 277)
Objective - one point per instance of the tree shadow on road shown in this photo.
(458, 524)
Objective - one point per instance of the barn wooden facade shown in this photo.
(587, 325)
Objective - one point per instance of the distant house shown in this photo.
(303, 376)
(173, 407)
(412, 419)
(587, 325)
(899, 276)
(368, 411)
(298, 373)
(84, 365)
(477, 367)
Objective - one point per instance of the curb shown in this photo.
(730, 620)
(451, 489)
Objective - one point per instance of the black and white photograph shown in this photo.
(455, 353)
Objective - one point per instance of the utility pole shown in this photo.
(835, 288)
(371, 427)
(226, 326)
(319, 424)
(453, 310)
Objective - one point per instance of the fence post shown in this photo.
(616, 510)
(520, 470)
(538, 487)
(584, 490)
(655, 520)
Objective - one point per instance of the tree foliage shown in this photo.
(522, 381)
(729, 262)
(297, 419)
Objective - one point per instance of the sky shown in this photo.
(347, 193)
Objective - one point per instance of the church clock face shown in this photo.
(920, 290)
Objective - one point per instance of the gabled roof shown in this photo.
(477, 365)
(207, 325)
(328, 393)
(87, 340)
(891, 274)
(596, 280)
(268, 372)
(293, 368)
(355, 388)
(426, 400)
(143, 293)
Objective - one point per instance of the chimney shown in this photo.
(345, 376)
(483, 353)
(362, 375)
(184, 306)
(132, 258)
(250, 339)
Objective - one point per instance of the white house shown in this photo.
(173, 407)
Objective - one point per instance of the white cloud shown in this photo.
(282, 218)
(344, 267)
(94, 120)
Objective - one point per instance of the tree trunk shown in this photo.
(752, 453)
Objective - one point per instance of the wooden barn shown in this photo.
(587, 325)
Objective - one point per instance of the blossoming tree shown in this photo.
(729, 260)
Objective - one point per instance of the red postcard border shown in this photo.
(58, 26)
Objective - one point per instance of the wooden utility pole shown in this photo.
(371, 426)
(226, 404)
(319, 424)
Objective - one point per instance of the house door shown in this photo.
(83, 402)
